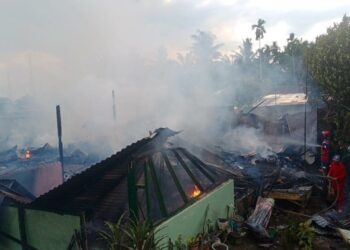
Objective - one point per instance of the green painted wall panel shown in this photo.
(189, 221)
(50, 231)
(44, 230)
(6, 243)
(9, 221)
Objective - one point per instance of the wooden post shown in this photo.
(148, 202)
(59, 133)
(132, 192)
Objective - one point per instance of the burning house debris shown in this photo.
(253, 171)
(149, 179)
(160, 177)
(258, 221)
(285, 178)
(38, 169)
(165, 178)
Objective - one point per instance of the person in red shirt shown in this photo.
(338, 173)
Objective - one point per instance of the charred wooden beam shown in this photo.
(176, 180)
(202, 168)
(157, 189)
(188, 171)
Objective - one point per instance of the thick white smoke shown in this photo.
(74, 53)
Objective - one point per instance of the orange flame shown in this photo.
(196, 192)
(28, 154)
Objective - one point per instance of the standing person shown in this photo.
(325, 150)
(346, 161)
(338, 173)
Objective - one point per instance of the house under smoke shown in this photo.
(289, 118)
(38, 169)
(149, 178)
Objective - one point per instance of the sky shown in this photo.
(73, 52)
(56, 36)
(57, 26)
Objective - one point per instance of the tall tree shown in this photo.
(259, 34)
(292, 59)
(204, 49)
(245, 54)
(329, 63)
(275, 52)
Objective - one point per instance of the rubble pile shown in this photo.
(275, 188)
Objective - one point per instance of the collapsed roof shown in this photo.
(166, 179)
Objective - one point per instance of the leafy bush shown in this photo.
(114, 235)
(134, 235)
(179, 244)
(306, 235)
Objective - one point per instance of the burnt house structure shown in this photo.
(155, 180)
(38, 169)
(150, 179)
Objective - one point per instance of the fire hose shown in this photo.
(337, 195)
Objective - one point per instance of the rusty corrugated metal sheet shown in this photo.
(38, 180)
(47, 177)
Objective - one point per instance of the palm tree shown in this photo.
(275, 52)
(204, 49)
(259, 34)
(245, 54)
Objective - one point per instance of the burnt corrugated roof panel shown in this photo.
(85, 191)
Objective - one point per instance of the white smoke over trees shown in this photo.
(152, 90)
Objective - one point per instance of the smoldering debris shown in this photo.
(258, 221)
(28, 156)
(261, 181)
(38, 169)
(281, 178)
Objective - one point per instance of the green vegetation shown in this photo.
(306, 235)
(299, 236)
(259, 34)
(133, 235)
(179, 244)
(113, 236)
(329, 62)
